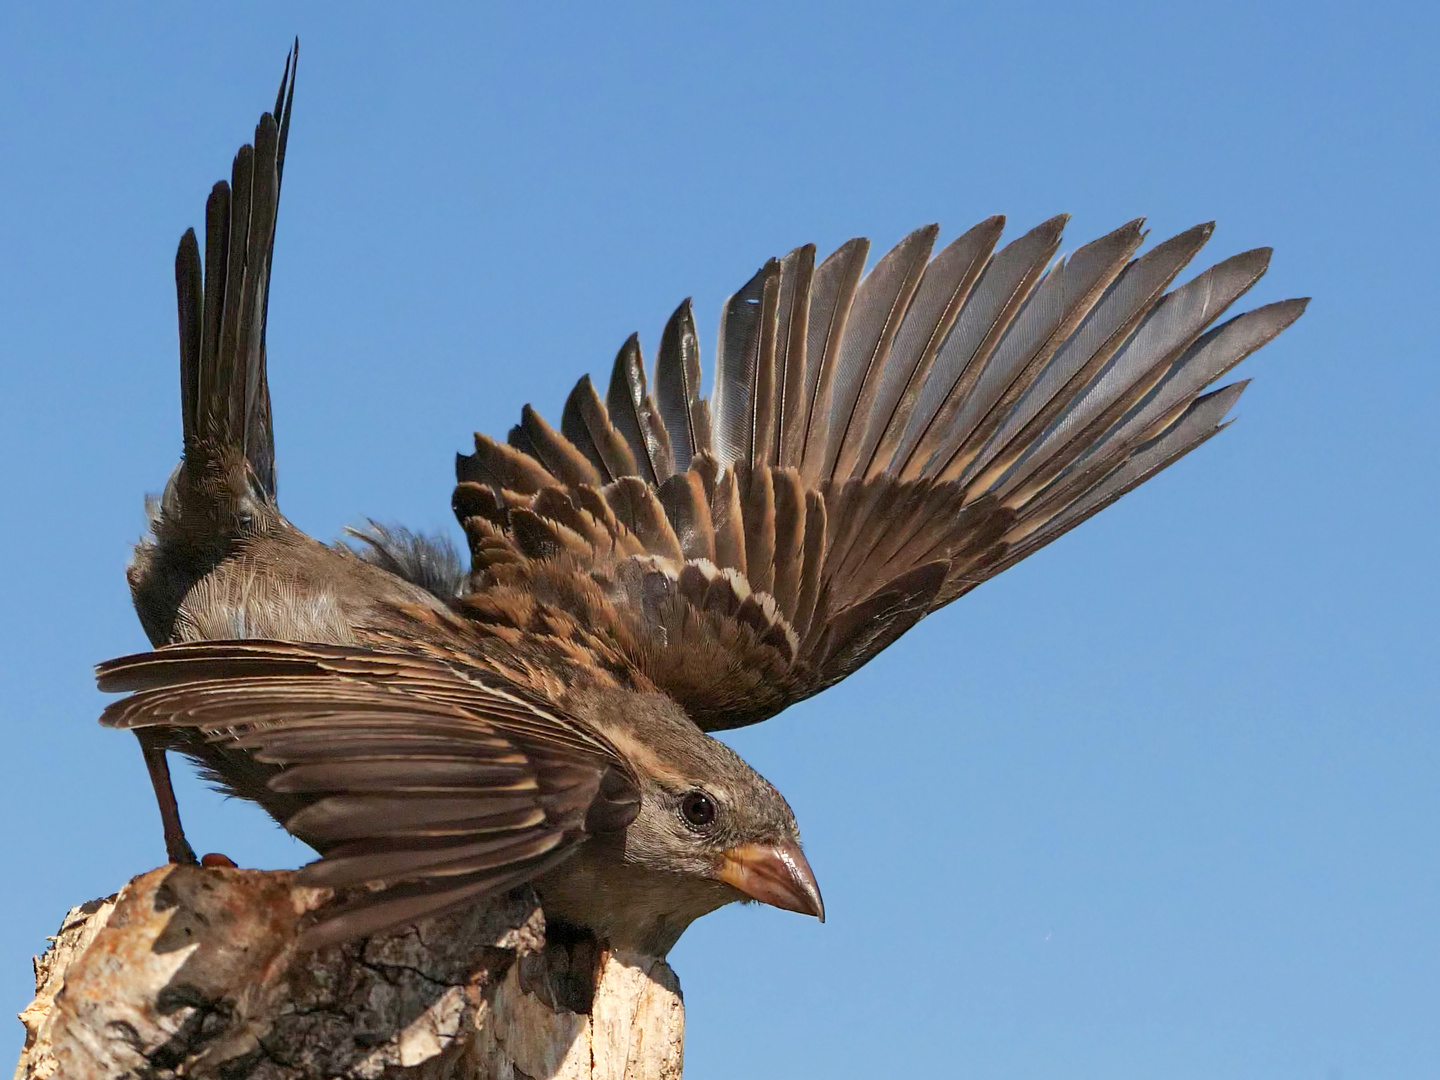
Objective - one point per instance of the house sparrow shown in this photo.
(660, 567)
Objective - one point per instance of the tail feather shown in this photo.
(223, 306)
(188, 293)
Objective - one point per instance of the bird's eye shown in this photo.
(698, 809)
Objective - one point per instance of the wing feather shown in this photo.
(943, 290)
(636, 416)
(686, 415)
(832, 293)
(688, 510)
(881, 303)
(1101, 334)
(1061, 302)
(1170, 327)
(744, 328)
(996, 297)
(880, 446)
(557, 454)
(423, 780)
(587, 425)
(797, 273)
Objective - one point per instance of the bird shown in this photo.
(661, 567)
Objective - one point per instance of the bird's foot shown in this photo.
(178, 850)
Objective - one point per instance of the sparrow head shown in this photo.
(705, 814)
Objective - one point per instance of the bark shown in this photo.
(192, 972)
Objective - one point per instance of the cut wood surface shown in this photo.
(193, 972)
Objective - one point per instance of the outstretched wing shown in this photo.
(430, 788)
(875, 447)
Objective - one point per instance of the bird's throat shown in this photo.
(627, 905)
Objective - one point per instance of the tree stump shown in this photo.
(193, 972)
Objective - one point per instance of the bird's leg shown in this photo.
(177, 848)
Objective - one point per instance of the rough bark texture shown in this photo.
(192, 972)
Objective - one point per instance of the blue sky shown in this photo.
(1160, 801)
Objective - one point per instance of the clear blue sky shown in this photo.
(1160, 802)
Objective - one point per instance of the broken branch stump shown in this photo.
(193, 972)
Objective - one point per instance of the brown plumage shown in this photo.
(655, 569)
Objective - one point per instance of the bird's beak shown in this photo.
(775, 874)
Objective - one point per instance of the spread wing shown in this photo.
(875, 447)
(426, 786)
